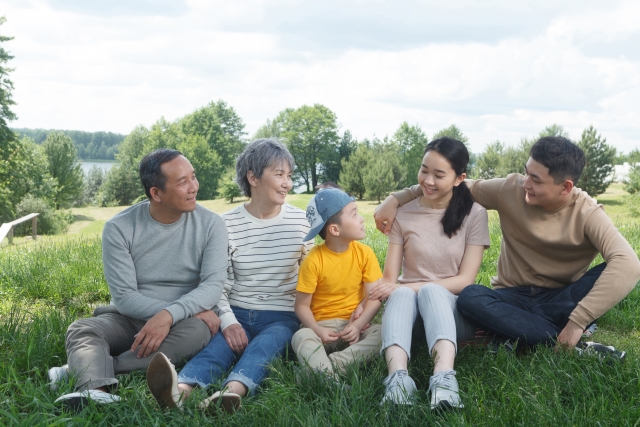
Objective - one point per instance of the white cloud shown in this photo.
(114, 69)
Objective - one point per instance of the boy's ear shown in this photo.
(334, 230)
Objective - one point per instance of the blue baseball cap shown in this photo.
(326, 203)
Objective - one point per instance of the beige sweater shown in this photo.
(551, 249)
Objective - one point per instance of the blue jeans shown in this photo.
(269, 333)
(530, 314)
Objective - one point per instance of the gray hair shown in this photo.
(259, 155)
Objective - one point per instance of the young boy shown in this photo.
(332, 281)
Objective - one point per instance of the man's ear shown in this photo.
(334, 230)
(567, 187)
(155, 194)
(251, 177)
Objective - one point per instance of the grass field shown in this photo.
(46, 285)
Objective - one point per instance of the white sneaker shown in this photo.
(399, 388)
(57, 375)
(80, 399)
(445, 393)
(162, 380)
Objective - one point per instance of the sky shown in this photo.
(500, 70)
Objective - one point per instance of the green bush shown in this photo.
(50, 221)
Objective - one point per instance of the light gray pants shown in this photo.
(99, 347)
(437, 307)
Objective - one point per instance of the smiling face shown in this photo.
(274, 184)
(180, 190)
(437, 179)
(540, 188)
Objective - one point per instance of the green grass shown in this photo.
(47, 284)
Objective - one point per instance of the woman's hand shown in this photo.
(382, 290)
(236, 337)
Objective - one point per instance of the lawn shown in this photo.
(46, 285)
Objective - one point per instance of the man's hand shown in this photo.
(236, 337)
(382, 290)
(210, 318)
(351, 333)
(570, 335)
(152, 334)
(326, 335)
(385, 213)
(357, 313)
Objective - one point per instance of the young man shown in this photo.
(332, 281)
(544, 291)
(165, 262)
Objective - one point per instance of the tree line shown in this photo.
(89, 145)
(40, 172)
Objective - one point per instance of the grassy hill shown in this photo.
(46, 285)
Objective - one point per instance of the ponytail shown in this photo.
(459, 207)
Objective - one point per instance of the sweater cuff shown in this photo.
(227, 319)
(581, 317)
(177, 312)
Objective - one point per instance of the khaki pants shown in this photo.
(311, 352)
(99, 348)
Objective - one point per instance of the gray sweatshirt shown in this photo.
(179, 267)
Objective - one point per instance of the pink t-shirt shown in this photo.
(428, 253)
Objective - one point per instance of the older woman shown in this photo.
(257, 308)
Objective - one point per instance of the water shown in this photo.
(86, 166)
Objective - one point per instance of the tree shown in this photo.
(221, 128)
(489, 163)
(412, 142)
(353, 169)
(121, 187)
(632, 183)
(378, 178)
(8, 142)
(332, 164)
(64, 167)
(311, 134)
(596, 175)
(229, 187)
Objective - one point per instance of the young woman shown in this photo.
(437, 240)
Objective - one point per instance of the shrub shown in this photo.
(50, 221)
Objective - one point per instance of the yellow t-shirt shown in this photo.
(336, 279)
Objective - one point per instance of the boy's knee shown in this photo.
(302, 335)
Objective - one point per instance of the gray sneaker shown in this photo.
(57, 375)
(444, 391)
(399, 388)
(605, 352)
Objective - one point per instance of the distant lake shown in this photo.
(86, 166)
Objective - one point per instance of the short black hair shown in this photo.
(563, 158)
(150, 168)
(336, 218)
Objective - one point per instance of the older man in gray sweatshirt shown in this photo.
(165, 261)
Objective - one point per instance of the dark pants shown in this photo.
(529, 314)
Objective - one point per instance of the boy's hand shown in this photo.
(356, 315)
(326, 335)
(382, 291)
(351, 333)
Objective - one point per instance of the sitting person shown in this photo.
(165, 265)
(438, 241)
(257, 308)
(331, 283)
(544, 291)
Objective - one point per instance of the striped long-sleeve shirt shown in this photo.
(264, 256)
